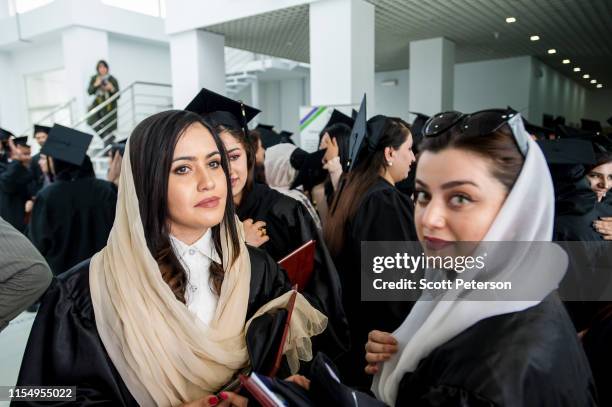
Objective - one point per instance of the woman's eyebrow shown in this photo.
(233, 149)
(457, 183)
(192, 158)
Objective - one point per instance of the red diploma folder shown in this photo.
(299, 264)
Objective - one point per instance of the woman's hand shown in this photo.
(29, 205)
(98, 81)
(380, 347)
(604, 227)
(300, 380)
(255, 234)
(114, 169)
(109, 87)
(226, 399)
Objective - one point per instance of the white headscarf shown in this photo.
(280, 174)
(527, 215)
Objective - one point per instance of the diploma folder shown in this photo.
(299, 264)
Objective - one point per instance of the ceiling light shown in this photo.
(552, 51)
(599, 86)
(586, 76)
(566, 61)
(593, 81)
(534, 37)
(576, 69)
(510, 20)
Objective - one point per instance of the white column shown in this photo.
(341, 52)
(82, 49)
(198, 61)
(432, 68)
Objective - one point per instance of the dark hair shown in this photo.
(66, 171)
(500, 147)
(361, 178)
(152, 145)
(600, 159)
(342, 133)
(101, 62)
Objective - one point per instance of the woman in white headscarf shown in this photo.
(481, 179)
(280, 175)
(162, 314)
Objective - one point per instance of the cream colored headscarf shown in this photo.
(163, 352)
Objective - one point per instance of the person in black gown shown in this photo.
(71, 217)
(368, 207)
(15, 184)
(128, 327)
(474, 175)
(274, 222)
(41, 133)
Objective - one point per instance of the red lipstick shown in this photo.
(211, 202)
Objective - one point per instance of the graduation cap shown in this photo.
(539, 132)
(285, 137)
(571, 132)
(309, 166)
(67, 144)
(221, 110)
(268, 136)
(358, 134)
(568, 151)
(591, 125)
(5, 134)
(338, 117)
(548, 121)
(21, 141)
(39, 128)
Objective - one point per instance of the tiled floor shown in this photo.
(13, 340)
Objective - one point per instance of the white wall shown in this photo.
(137, 60)
(391, 100)
(39, 57)
(270, 103)
(599, 105)
(556, 94)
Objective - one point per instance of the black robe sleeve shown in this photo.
(64, 348)
(14, 192)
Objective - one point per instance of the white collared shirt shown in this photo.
(196, 259)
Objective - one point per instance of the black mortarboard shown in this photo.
(268, 136)
(568, 151)
(354, 114)
(21, 141)
(591, 125)
(67, 144)
(221, 110)
(338, 117)
(5, 134)
(39, 128)
(539, 132)
(571, 132)
(285, 137)
(559, 121)
(309, 166)
(358, 134)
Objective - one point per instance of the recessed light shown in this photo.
(593, 81)
(510, 20)
(599, 86)
(586, 76)
(566, 61)
(534, 37)
(552, 51)
(577, 69)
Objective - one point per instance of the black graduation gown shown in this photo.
(289, 226)
(38, 178)
(527, 358)
(597, 347)
(575, 211)
(384, 214)
(15, 183)
(71, 220)
(65, 349)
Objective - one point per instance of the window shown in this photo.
(155, 8)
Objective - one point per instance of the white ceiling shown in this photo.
(580, 30)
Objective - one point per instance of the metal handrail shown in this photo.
(113, 98)
(51, 113)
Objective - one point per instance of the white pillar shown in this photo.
(198, 61)
(82, 49)
(432, 68)
(341, 52)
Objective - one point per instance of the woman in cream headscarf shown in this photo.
(159, 316)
